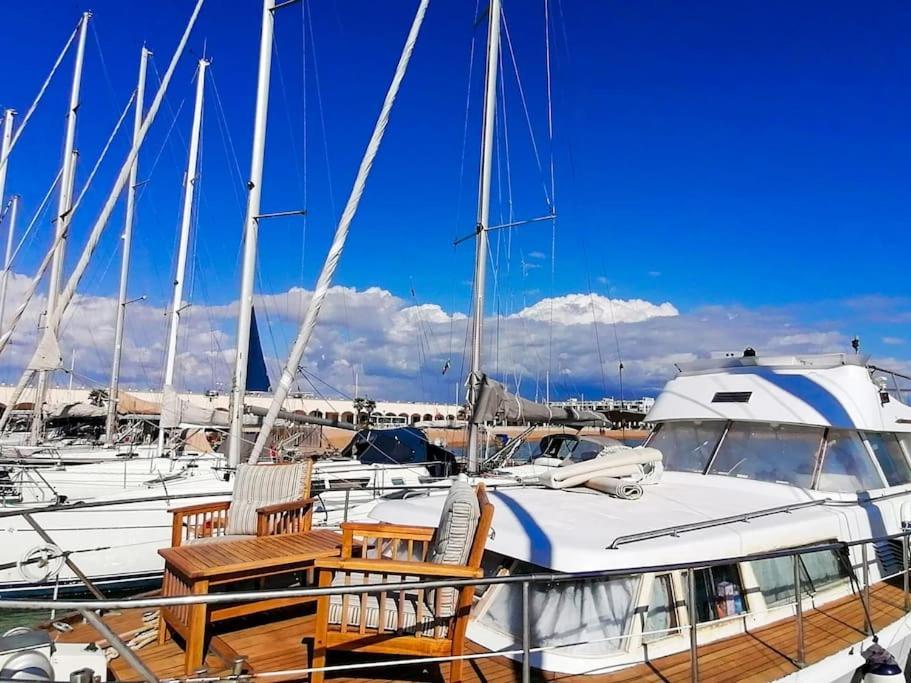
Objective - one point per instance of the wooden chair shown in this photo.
(268, 500)
(413, 622)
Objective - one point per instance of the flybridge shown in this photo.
(829, 390)
(818, 361)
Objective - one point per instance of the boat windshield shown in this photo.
(784, 454)
(779, 453)
(687, 446)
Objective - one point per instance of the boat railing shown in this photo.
(718, 521)
(526, 581)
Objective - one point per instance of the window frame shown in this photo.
(676, 628)
(717, 445)
(817, 463)
(738, 569)
(822, 461)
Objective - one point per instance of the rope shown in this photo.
(69, 291)
(338, 243)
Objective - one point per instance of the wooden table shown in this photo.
(194, 569)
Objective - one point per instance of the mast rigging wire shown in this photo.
(37, 216)
(69, 290)
(41, 91)
(338, 243)
(33, 286)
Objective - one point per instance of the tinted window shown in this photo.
(781, 453)
(891, 459)
(719, 593)
(687, 446)
(586, 450)
(775, 576)
(847, 465)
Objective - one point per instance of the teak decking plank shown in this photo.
(764, 652)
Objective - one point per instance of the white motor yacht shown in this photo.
(761, 456)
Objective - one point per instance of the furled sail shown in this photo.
(257, 375)
(494, 402)
(176, 412)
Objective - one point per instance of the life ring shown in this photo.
(41, 563)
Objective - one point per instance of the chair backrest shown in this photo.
(256, 486)
(460, 538)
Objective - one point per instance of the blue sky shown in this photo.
(744, 161)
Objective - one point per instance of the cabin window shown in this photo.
(586, 450)
(890, 457)
(818, 571)
(557, 447)
(776, 453)
(846, 465)
(590, 617)
(719, 593)
(661, 619)
(687, 446)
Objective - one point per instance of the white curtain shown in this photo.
(571, 613)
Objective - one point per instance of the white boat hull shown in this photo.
(118, 545)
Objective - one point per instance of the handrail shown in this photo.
(711, 523)
(84, 505)
(525, 580)
(536, 577)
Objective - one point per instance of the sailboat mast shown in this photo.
(5, 146)
(251, 230)
(185, 220)
(111, 421)
(8, 257)
(64, 204)
(480, 264)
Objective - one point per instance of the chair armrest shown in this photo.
(398, 531)
(284, 507)
(203, 517)
(402, 567)
(292, 517)
(201, 507)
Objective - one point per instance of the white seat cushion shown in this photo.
(256, 486)
(451, 543)
(409, 618)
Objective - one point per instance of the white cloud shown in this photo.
(582, 309)
(398, 349)
(894, 341)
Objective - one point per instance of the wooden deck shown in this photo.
(274, 643)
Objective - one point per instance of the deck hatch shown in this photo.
(732, 397)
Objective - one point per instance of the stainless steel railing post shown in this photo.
(691, 611)
(905, 577)
(800, 660)
(526, 635)
(868, 623)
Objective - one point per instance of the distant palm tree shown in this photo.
(363, 406)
